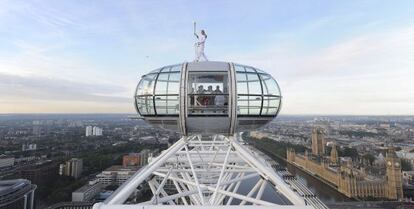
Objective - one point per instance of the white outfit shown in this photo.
(200, 48)
(219, 100)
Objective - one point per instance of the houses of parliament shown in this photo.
(346, 178)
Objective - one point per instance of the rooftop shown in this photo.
(86, 187)
(122, 168)
(10, 186)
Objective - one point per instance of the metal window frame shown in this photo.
(262, 95)
(154, 95)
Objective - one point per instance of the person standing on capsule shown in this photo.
(201, 40)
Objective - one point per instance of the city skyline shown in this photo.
(342, 58)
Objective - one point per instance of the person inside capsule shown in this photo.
(210, 100)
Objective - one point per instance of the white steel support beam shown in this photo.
(230, 194)
(207, 170)
(161, 186)
(194, 175)
(261, 190)
(221, 175)
(221, 196)
(260, 182)
(281, 186)
(235, 190)
(124, 191)
(196, 198)
(162, 191)
(177, 187)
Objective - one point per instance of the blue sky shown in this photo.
(329, 57)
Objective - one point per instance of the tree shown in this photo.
(274, 147)
(369, 157)
(349, 152)
(406, 165)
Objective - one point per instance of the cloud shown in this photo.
(42, 61)
(369, 53)
(368, 74)
(358, 54)
(38, 94)
(14, 87)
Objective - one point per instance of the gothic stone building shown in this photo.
(351, 181)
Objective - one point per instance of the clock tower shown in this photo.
(394, 176)
(318, 142)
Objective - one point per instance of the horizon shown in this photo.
(348, 58)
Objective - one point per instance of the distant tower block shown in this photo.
(334, 155)
(88, 131)
(318, 141)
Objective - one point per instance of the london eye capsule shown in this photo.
(205, 97)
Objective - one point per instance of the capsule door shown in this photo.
(208, 98)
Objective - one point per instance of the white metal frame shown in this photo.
(206, 171)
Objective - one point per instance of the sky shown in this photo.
(329, 57)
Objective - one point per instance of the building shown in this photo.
(318, 142)
(93, 131)
(96, 131)
(87, 192)
(102, 196)
(132, 159)
(407, 156)
(394, 175)
(29, 147)
(116, 175)
(62, 169)
(17, 193)
(334, 158)
(41, 172)
(37, 130)
(71, 205)
(408, 177)
(353, 182)
(6, 162)
(258, 134)
(148, 140)
(144, 155)
(24, 159)
(72, 167)
(88, 131)
(136, 159)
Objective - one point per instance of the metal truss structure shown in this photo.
(206, 171)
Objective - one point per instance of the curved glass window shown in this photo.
(167, 105)
(155, 71)
(167, 83)
(158, 92)
(270, 86)
(145, 105)
(257, 92)
(270, 105)
(146, 85)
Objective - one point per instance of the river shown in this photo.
(325, 193)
